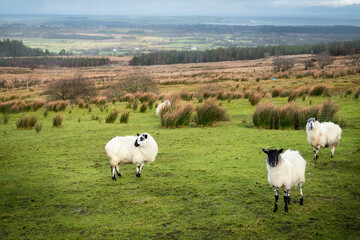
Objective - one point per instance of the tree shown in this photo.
(71, 88)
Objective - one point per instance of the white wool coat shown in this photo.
(161, 106)
(326, 134)
(121, 150)
(289, 172)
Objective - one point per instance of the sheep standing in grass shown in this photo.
(285, 170)
(131, 149)
(161, 107)
(325, 134)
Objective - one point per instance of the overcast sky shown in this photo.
(185, 7)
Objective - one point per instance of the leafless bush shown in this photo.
(281, 64)
(324, 59)
(310, 63)
(71, 88)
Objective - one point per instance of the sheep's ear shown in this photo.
(138, 134)
(315, 119)
(145, 136)
(265, 151)
(280, 151)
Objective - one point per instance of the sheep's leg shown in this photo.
(138, 169)
(289, 199)
(332, 151)
(316, 153)
(301, 195)
(118, 171)
(276, 199)
(113, 173)
(286, 200)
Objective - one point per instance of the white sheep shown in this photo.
(161, 107)
(131, 149)
(285, 170)
(325, 134)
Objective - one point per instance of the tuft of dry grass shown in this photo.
(111, 117)
(320, 90)
(57, 106)
(210, 112)
(57, 120)
(26, 122)
(255, 98)
(124, 117)
(176, 115)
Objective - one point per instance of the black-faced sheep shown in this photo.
(321, 135)
(285, 170)
(131, 149)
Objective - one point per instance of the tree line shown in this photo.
(16, 48)
(69, 62)
(339, 48)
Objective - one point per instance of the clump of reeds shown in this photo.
(210, 112)
(38, 104)
(80, 102)
(111, 117)
(276, 92)
(267, 115)
(264, 115)
(255, 98)
(320, 90)
(124, 117)
(99, 101)
(176, 115)
(135, 106)
(144, 107)
(57, 106)
(300, 92)
(186, 96)
(357, 93)
(38, 127)
(6, 118)
(57, 120)
(26, 122)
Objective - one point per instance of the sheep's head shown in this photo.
(311, 123)
(272, 156)
(140, 141)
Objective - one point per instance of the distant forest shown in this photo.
(16, 48)
(244, 53)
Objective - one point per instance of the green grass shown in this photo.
(206, 183)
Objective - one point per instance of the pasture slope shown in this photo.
(206, 183)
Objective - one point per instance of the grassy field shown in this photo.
(206, 183)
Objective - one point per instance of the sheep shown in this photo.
(161, 107)
(131, 149)
(325, 134)
(285, 170)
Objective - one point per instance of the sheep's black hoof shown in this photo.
(113, 178)
(301, 201)
(276, 208)
(138, 174)
(286, 208)
(289, 200)
(332, 156)
(119, 174)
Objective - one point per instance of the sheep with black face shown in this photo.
(131, 150)
(322, 135)
(285, 170)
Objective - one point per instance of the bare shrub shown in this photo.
(324, 59)
(132, 83)
(71, 88)
(26, 122)
(310, 63)
(281, 64)
(57, 120)
(210, 112)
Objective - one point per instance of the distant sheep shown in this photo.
(285, 170)
(131, 149)
(321, 135)
(161, 107)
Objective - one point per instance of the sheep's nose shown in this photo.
(141, 139)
